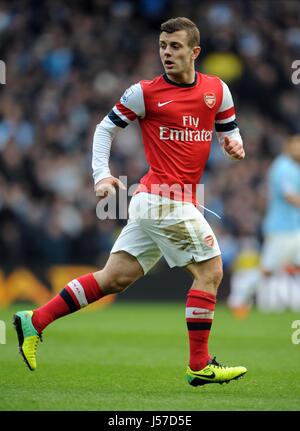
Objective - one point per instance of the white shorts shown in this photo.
(159, 226)
(280, 250)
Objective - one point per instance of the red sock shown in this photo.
(199, 315)
(76, 294)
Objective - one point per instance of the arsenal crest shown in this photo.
(209, 99)
(209, 240)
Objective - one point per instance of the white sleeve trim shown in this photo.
(227, 101)
(103, 137)
(133, 99)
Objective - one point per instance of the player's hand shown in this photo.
(234, 148)
(107, 187)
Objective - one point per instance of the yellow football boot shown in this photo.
(28, 337)
(214, 373)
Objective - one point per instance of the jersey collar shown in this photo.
(180, 85)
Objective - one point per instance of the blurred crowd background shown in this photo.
(68, 62)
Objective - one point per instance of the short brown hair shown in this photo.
(182, 23)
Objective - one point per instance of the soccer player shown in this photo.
(281, 226)
(176, 112)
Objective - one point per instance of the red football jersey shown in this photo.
(177, 122)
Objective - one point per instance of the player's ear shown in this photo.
(196, 52)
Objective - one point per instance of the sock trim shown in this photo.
(68, 300)
(202, 294)
(91, 287)
(198, 326)
(78, 291)
(198, 313)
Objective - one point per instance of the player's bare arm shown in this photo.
(293, 199)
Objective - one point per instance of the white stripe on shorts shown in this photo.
(78, 291)
(198, 313)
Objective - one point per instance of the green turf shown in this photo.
(133, 357)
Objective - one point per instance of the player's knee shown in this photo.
(214, 277)
(210, 279)
(114, 279)
(217, 275)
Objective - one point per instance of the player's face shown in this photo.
(175, 53)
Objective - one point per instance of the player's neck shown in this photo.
(183, 78)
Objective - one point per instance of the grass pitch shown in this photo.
(134, 356)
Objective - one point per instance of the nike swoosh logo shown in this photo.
(208, 376)
(195, 313)
(164, 103)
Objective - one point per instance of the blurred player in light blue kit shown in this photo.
(276, 284)
(281, 225)
(280, 260)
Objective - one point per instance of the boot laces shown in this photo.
(36, 341)
(215, 363)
